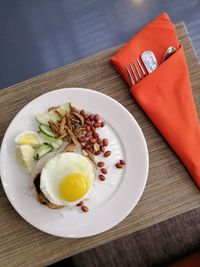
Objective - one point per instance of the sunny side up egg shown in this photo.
(67, 178)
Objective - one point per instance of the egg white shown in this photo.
(19, 136)
(57, 168)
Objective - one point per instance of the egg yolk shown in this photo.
(73, 187)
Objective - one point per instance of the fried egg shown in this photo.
(67, 178)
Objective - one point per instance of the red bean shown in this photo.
(98, 141)
(97, 124)
(88, 134)
(82, 112)
(97, 117)
(107, 154)
(102, 148)
(119, 165)
(87, 128)
(100, 164)
(102, 177)
(95, 135)
(82, 139)
(87, 146)
(92, 140)
(88, 122)
(86, 116)
(102, 124)
(105, 141)
(104, 171)
(91, 117)
(80, 203)
(93, 129)
(84, 208)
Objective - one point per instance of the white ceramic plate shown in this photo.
(109, 201)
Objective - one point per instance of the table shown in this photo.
(170, 190)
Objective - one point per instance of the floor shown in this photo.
(38, 36)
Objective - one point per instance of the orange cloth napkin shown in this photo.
(165, 94)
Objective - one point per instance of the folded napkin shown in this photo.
(165, 94)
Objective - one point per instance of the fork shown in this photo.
(135, 71)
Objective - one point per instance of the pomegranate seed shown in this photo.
(97, 153)
(104, 171)
(84, 208)
(97, 117)
(102, 148)
(98, 141)
(82, 112)
(122, 162)
(92, 140)
(91, 117)
(97, 124)
(100, 164)
(119, 165)
(95, 135)
(80, 204)
(107, 154)
(102, 177)
(102, 124)
(105, 141)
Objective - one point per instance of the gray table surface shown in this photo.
(40, 35)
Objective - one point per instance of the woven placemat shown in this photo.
(170, 190)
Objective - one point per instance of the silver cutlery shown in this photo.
(135, 71)
(170, 51)
(149, 60)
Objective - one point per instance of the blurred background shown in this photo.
(40, 35)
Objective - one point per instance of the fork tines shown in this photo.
(135, 72)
